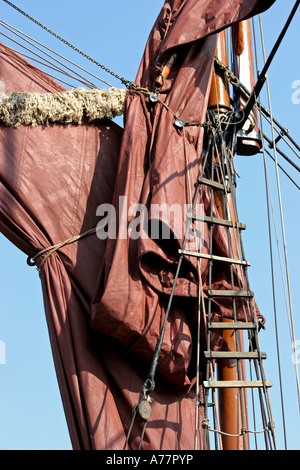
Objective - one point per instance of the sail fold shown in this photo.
(105, 296)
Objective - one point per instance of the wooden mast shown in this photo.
(248, 138)
(232, 414)
(232, 401)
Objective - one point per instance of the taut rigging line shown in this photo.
(33, 42)
(252, 97)
(283, 134)
(125, 82)
(262, 76)
(282, 220)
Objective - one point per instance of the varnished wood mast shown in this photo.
(231, 414)
(249, 139)
(229, 398)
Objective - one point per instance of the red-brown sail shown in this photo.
(105, 299)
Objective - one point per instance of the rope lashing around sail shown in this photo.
(32, 109)
(31, 261)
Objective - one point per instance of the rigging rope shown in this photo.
(31, 260)
(282, 169)
(205, 425)
(233, 79)
(22, 35)
(125, 82)
(233, 214)
(11, 29)
(46, 63)
(282, 226)
(267, 62)
(268, 201)
(263, 112)
(237, 84)
(272, 143)
(150, 381)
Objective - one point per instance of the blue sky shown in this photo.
(115, 33)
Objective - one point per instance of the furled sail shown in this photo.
(105, 294)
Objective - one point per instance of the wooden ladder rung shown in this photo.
(215, 220)
(234, 355)
(212, 184)
(213, 257)
(236, 384)
(238, 325)
(230, 293)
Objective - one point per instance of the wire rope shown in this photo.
(282, 169)
(23, 35)
(81, 78)
(45, 63)
(281, 218)
(128, 84)
(125, 82)
(268, 201)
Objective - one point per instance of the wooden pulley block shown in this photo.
(143, 410)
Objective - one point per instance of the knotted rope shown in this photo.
(31, 261)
